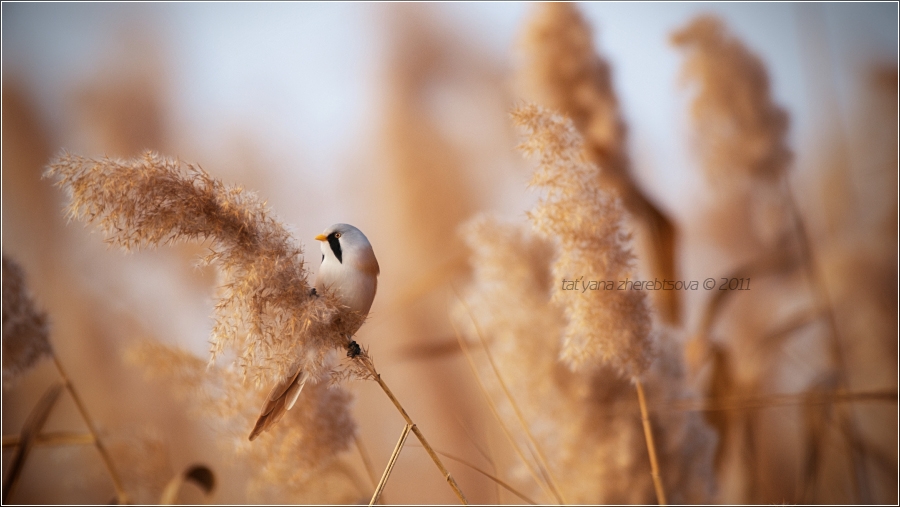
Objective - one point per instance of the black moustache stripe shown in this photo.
(335, 245)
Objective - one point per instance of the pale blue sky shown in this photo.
(302, 77)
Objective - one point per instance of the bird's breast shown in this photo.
(354, 288)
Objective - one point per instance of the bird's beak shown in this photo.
(321, 237)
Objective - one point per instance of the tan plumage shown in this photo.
(350, 271)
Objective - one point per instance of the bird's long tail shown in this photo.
(280, 399)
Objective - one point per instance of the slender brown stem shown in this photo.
(367, 461)
(52, 438)
(499, 482)
(419, 435)
(117, 481)
(824, 304)
(390, 466)
(30, 430)
(542, 460)
(490, 402)
(651, 447)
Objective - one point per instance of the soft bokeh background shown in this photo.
(391, 117)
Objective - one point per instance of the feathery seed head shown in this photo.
(25, 330)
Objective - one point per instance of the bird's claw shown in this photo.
(353, 349)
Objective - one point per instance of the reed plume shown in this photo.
(585, 421)
(738, 129)
(265, 311)
(565, 73)
(25, 328)
(608, 326)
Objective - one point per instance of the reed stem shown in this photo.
(390, 465)
(367, 461)
(121, 495)
(434, 457)
(651, 447)
(824, 305)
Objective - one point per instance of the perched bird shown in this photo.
(350, 271)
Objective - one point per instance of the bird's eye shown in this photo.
(337, 235)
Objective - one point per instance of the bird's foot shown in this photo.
(353, 349)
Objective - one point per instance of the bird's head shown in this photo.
(348, 246)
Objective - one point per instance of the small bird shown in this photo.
(350, 271)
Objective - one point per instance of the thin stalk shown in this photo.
(542, 462)
(465, 348)
(651, 447)
(825, 305)
(434, 457)
(52, 439)
(117, 481)
(367, 461)
(499, 482)
(30, 430)
(390, 466)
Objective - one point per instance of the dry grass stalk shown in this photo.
(565, 73)
(586, 221)
(533, 446)
(390, 466)
(364, 364)
(499, 482)
(366, 460)
(121, 493)
(25, 329)
(30, 431)
(542, 480)
(52, 439)
(651, 447)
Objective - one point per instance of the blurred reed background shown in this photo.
(754, 141)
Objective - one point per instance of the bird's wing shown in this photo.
(280, 399)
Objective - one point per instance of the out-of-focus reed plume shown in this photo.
(25, 328)
(565, 73)
(738, 130)
(741, 137)
(585, 420)
(265, 313)
(298, 460)
(586, 221)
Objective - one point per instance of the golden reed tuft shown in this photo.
(25, 329)
(737, 126)
(265, 312)
(587, 223)
(563, 71)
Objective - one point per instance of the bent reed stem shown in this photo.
(390, 466)
(121, 495)
(651, 447)
(415, 429)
